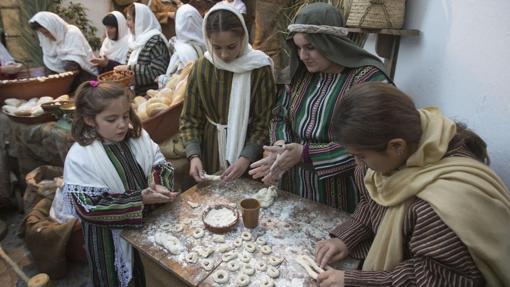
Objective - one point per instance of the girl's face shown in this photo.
(111, 31)
(381, 161)
(46, 33)
(112, 124)
(312, 58)
(226, 45)
(130, 21)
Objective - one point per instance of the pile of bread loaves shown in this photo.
(32, 107)
(157, 101)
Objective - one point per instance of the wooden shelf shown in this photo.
(387, 44)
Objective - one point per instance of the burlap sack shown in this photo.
(42, 182)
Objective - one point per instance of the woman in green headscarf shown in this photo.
(324, 65)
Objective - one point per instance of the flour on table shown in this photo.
(169, 242)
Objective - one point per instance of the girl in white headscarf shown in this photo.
(64, 46)
(148, 56)
(230, 94)
(189, 42)
(115, 46)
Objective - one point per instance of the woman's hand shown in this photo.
(101, 61)
(121, 68)
(261, 167)
(287, 159)
(157, 194)
(331, 278)
(236, 170)
(330, 250)
(196, 169)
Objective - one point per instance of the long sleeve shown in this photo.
(262, 101)
(152, 62)
(192, 118)
(114, 210)
(435, 256)
(280, 128)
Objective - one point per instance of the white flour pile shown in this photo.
(220, 217)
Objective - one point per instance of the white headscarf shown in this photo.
(239, 106)
(238, 4)
(116, 50)
(188, 30)
(69, 44)
(146, 26)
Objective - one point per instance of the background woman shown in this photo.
(230, 93)
(64, 46)
(325, 64)
(432, 213)
(149, 56)
(115, 46)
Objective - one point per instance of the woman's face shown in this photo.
(312, 58)
(46, 33)
(226, 45)
(381, 161)
(130, 20)
(111, 31)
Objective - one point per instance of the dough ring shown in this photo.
(275, 261)
(224, 248)
(250, 247)
(166, 226)
(266, 249)
(191, 257)
(218, 239)
(245, 258)
(248, 270)
(246, 236)
(207, 264)
(205, 251)
(238, 242)
(228, 256)
(178, 227)
(261, 266)
(242, 280)
(273, 272)
(266, 282)
(220, 276)
(198, 233)
(261, 241)
(233, 265)
(309, 265)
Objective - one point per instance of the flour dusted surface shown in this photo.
(220, 217)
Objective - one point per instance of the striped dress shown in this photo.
(152, 62)
(433, 254)
(116, 211)
(303, 115)
(208, 96)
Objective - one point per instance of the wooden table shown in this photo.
(291, 227)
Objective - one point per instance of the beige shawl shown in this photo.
(468, 196)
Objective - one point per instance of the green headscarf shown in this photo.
(329, 40)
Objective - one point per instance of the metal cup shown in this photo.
(250, 209)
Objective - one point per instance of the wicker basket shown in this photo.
(119, 77)
(377, 14)
(222, 229)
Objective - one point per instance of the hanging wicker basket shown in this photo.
(377, 14)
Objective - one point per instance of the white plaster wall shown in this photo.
(96, 10)
(461, 63)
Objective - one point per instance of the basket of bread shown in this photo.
(119, 77)
(29, 85)
(160, 110)
(31, 111)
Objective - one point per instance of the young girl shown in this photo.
(230, 94)
(110, 173)
(432, 212)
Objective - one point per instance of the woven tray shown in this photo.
(377, 14)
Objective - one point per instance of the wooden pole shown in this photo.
(14, 266)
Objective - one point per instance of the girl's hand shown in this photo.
(121, 68)
(330, 250)
(236, 170)
(163, 190)
(149, 196)
(331, 278)
(196, 169)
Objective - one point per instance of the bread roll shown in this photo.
(152, 93)
(139, 100)
(44, 100)
(62, 98)
(180, 91)
(14, 102)
(36, 111)
(11, 110)
(154, 108)
(23, 111)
